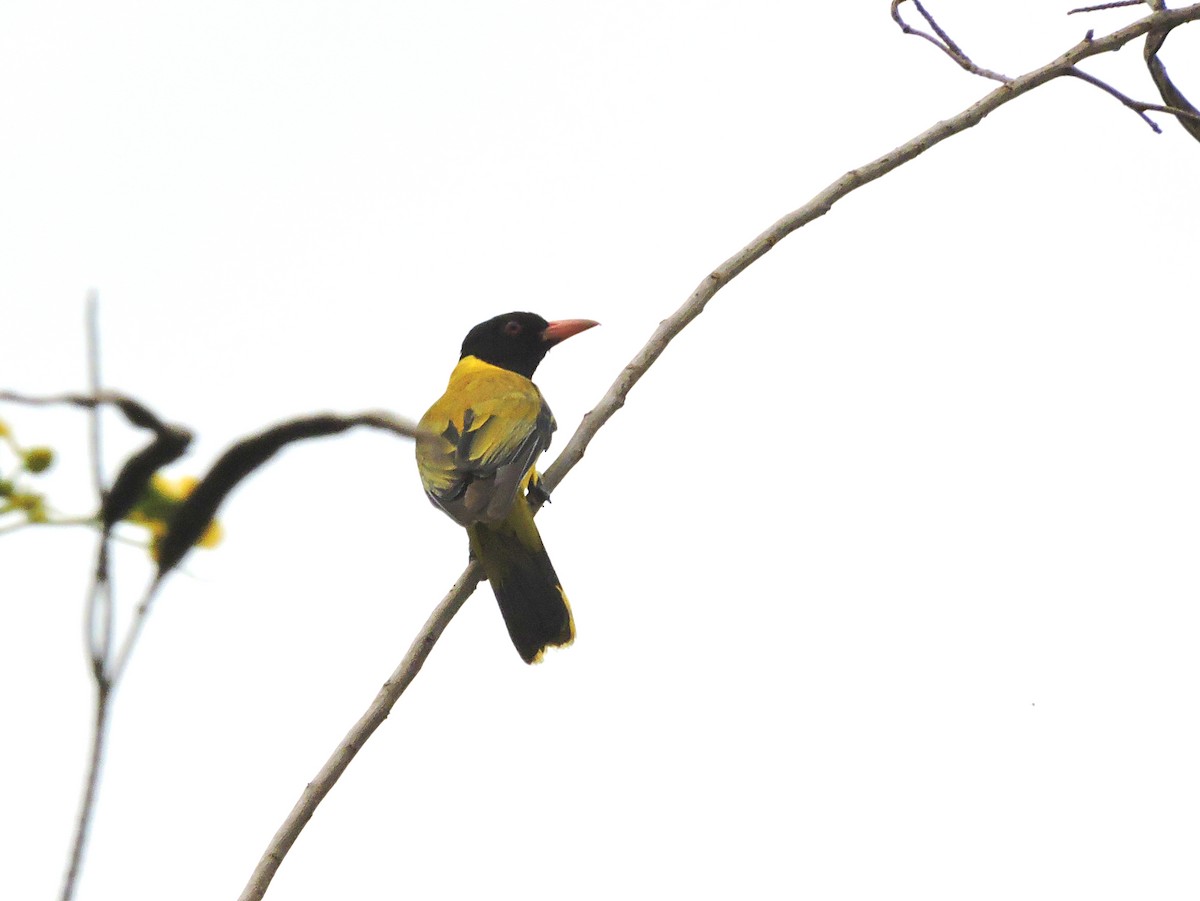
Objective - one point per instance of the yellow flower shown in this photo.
(177, 489)
(32, 505)
(39, 459)
(157, 506)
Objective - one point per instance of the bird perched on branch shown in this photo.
(489, 429)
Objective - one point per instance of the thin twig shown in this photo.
(99, 605)
(94, 382)
(615, 397)
(943, 41)
(100, 597)
(79, 400)
(1137, 106)
(946, 44)
(945, 38)
(136, 624)
(1092, 9)
(89, 521)
(91, 788)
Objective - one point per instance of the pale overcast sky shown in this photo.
(885, 578)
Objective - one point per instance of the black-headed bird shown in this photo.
(489, 429)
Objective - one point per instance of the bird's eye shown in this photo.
(512, 327)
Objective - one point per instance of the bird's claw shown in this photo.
(537, 494)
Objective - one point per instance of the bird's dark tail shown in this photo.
(534, 605)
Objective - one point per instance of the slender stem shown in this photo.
(100, 597)
(1116, 5)
(400, 679)
(87, 805)
(94, 382)
(121, 661)
(99, 608)
(89, 521)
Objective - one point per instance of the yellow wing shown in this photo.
(492, 424)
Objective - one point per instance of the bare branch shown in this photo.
(400, 679)
(238, 462)
(668, 329)
(89, 521)
(1138, 106)
(98, 646)
(943, 41)
(90, 791)
(1092, 9)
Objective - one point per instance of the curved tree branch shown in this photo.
(1183, 109)
(614, 399)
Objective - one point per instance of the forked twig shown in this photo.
(943, 41)
(1177, 104)
(1138, 106)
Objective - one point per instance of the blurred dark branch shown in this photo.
(184, 530)
(240, 461)
(170, 442)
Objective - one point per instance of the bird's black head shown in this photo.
(518, 341)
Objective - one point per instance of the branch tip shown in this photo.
(1092, 9)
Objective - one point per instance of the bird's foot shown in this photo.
(537, 495)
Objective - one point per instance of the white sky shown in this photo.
(885, 578)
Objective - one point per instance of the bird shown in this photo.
(478, 466)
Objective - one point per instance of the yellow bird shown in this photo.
(492, 425)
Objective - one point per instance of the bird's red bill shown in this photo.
(562, 329)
